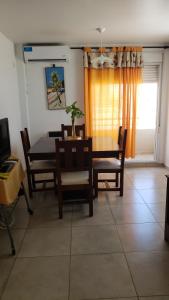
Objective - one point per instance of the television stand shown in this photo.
(6, 167)
(11, 187)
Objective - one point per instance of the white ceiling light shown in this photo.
(101, 59)
(100, 29)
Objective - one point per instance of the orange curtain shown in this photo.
(111, 101)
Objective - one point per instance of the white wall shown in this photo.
(166, 95)
(40, 120)
(22, 84)
(9, 93)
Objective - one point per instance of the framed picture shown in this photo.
(55, 87)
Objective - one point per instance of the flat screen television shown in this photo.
(5, 147)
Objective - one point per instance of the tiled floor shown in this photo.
(144, 157)
(119, 253)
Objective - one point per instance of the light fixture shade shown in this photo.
(101, 59)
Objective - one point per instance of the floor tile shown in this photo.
(101, 200)
(100, 276)
(49, 217)
(5, 268)
(150, 272)
(101, 216)
(155, 298)
(128, 298)
(127, 182)
(5, 246)
(129, 227)
(142, 237)
(148, 182)
(95, 239)
(129, 196)
(44, 199)
(146, 173)
(153, 195)
(158, 211)
(46, 242)
(137, 172)
(21, 218)
(38, 278)
(22, 203)
(131, 213)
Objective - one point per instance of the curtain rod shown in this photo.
(81, 48)
(146, 47)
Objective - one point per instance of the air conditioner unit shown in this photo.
(45, 53)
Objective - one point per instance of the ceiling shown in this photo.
(74, 22)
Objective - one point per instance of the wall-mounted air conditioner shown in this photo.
(45, 53)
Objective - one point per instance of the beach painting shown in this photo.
(55, 83)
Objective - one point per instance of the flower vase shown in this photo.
(73, 129)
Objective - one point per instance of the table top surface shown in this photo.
(46, 145)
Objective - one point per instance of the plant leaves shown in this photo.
(74, 111)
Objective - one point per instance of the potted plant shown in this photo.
(75, 113)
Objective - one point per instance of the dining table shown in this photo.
(102, 147)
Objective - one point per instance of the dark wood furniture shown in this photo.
(74, 169)
(36, 167)
(102, 147)
(166, 230)
(55, 134)
(67, 130)
(111, 166)
(119, 135)
(27, 137)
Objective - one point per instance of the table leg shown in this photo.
(26, 199)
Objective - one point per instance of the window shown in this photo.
(147, 98)
(103, 117)
(107, 116)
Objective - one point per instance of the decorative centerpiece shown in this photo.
(75, 113)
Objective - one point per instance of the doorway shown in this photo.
(148, 115)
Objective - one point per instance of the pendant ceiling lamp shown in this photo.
(101, 59)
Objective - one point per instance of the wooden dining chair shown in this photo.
(27, 137)
(55, 133)
(120, 135)
(74, 169)
(79, 129)
(110, 166)
(36, 167)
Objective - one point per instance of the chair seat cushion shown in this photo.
(106, 164)
(73, 178)
(43, 165)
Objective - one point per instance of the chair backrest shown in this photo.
(74, 155)
(55, 134)
(119, 134)
(26, 146)
(122, 144)
(27, 136)
(79, 129)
